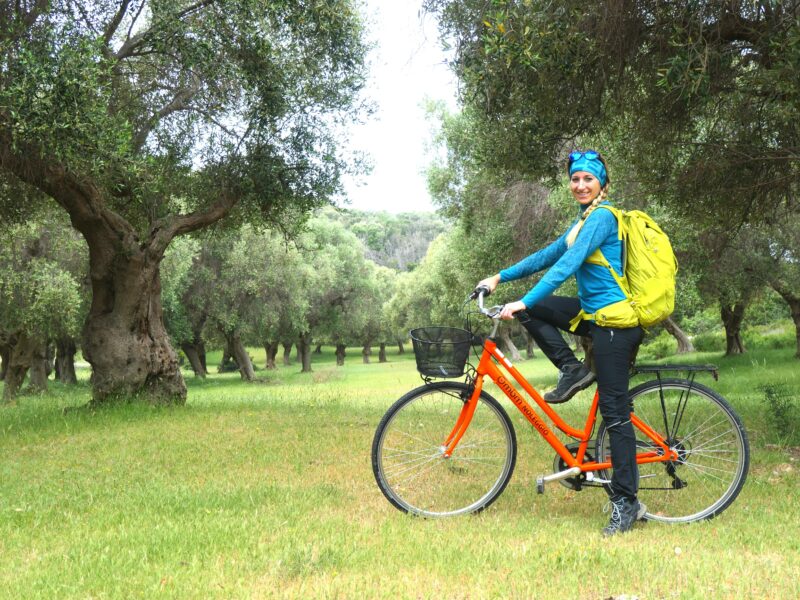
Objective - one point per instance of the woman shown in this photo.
(599, 296)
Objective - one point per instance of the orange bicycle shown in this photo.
(449, 448)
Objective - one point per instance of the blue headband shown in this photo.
(590, 165)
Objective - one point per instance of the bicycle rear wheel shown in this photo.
(711, 443)
(408, 456)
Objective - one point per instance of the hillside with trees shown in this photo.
(398, 241)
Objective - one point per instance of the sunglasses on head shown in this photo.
(588, 154)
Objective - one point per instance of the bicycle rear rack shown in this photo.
(691, 370)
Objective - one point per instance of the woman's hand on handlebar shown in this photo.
(511, 308)
(489, 283)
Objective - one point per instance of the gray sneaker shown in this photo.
(624, 513)
(571, 380)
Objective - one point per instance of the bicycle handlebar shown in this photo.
(493, 312)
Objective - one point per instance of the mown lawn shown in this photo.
(266, 490)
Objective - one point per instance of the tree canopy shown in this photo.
(149, 119)
(702, 97)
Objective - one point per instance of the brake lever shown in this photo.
(494, 311)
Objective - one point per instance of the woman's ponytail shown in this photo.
(573, 234)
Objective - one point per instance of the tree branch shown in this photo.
(178, 103)
(38, 8)
(135, 19)
(111, 28)
(165, 230)
(132, 42)
(190, 9)
(79, 196)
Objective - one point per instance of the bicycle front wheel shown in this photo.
(408, 452)
(709, 439)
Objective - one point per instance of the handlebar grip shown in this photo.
(481, 288)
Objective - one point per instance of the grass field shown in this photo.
(266, 490)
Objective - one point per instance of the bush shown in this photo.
(660, 346)
(711, 341)
(771, 337)
(781, 412)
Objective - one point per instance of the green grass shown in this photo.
(266, 490)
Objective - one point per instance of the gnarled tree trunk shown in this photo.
(5, 355)
(241, 357)
(401, 349)
(793, 301)
(508, 344)
(287, 354)
(382, 352)
(65, 360)
(271, 350)
(124, 339)
(732, 317)
(340, 354)
(39, 363)
(684, 343)
(193, 354)
(304, 352)
(588, 353)
(366, 352)
(49, 359)
(529, 345)
(24, 352)
(227, 363)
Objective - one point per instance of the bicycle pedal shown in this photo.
(542, 479)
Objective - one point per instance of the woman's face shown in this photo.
(584, 186)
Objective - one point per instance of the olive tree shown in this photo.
(336, 275)
(41, 299)
(703, 96)
(146, 120)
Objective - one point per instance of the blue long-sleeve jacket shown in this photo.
(597, 287)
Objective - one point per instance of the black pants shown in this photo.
(613, 349)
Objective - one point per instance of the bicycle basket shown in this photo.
(441, 351)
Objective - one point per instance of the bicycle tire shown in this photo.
(710, 440)
(407, 452)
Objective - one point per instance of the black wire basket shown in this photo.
(441, 351)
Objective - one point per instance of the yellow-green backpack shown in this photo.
(649, 266)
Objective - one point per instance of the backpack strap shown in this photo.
(598, 258)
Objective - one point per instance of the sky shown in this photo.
(407, 66)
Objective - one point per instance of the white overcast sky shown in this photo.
(406, 66)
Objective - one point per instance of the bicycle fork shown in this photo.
(464, 419)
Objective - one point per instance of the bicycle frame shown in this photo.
(489, 366)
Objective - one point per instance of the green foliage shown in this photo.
(166, 107)
(264, 287)
(660, 346)
(397, 241)
(42, 267)
(692, 90)
(176, 280)
(782, 412)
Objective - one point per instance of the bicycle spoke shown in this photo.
(409, 461)
(710, 443)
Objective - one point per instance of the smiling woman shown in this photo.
(545, 316)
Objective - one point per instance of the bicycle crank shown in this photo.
(542, 479)
(582, 479)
